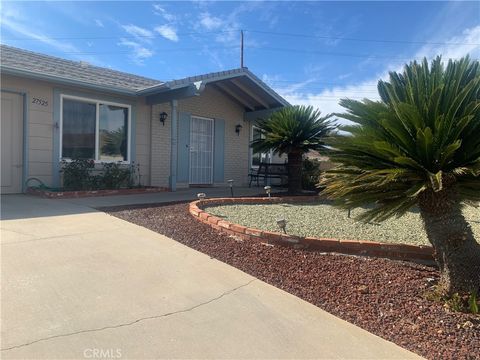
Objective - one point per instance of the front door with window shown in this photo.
(201, 151)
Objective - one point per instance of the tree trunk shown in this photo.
(456, 250)
(295, 172)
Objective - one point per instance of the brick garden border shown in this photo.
(352, 247)
(92, 193)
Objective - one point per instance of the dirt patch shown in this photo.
(382, 296)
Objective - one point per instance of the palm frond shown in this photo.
(424, 129)
(293, 128)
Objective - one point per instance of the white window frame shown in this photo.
(269, 154)
(97, 102)
(213, 149)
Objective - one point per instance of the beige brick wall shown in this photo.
(212, 103)
(142, 140)
(160, 146)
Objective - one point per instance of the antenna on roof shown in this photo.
(241, 49)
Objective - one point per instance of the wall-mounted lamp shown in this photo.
(238, 128)
(163, 117)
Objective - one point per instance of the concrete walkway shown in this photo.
(189, 194)
(77, 283)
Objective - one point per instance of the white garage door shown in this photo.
(12, 142)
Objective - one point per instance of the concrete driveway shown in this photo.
(80, 284)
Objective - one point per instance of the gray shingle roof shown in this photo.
(28, 63)
(23, 60)
(213, 75)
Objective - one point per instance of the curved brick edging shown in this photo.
(352, 247)
(92, 193)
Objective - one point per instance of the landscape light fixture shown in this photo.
(238, 128)
(282, 224)
(163, 117)
(201, 196)
(268, 190)
(230, 183)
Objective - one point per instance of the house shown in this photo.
(191, 131)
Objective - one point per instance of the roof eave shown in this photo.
(200, 84)
(66, 81)
(265, 87)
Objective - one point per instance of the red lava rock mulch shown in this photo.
(382, 296)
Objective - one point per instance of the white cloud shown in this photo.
(210, 22)
(327, 99)
(344, 76)
(228, 26)
(139, 52)
(18, 28)
(138, 32)
(168, 32)
(99, 23)
(466, 43)
(72, 51)
(159, 10)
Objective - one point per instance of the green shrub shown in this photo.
(310, 174)
(76, 174)
(81, 174)
(465, 302)
(115, 176)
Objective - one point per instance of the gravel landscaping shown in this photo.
(324, 220)
(382, 296)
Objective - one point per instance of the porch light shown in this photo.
(268, 190)
(238, 128)
(163, 117)
(282, 224)
(201, 196)
(230, 183)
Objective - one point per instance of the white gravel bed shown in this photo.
(324, 220)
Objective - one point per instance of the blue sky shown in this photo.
(310, 52)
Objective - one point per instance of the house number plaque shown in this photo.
(40, 102)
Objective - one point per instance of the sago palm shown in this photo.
(294, 131)
(418, 146)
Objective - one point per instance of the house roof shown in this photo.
(239, 84)
(32, 62)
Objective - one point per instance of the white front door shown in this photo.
(201, 151)
(12, 142)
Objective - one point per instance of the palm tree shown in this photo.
(294, 131)
(418, 146)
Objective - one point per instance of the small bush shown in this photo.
(76, 174)
(467, 302)
(115, 176)
(310, 174)
(80, 174)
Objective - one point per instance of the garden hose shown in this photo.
(41, 185)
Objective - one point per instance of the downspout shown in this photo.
(150, 153)
(173, 146)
